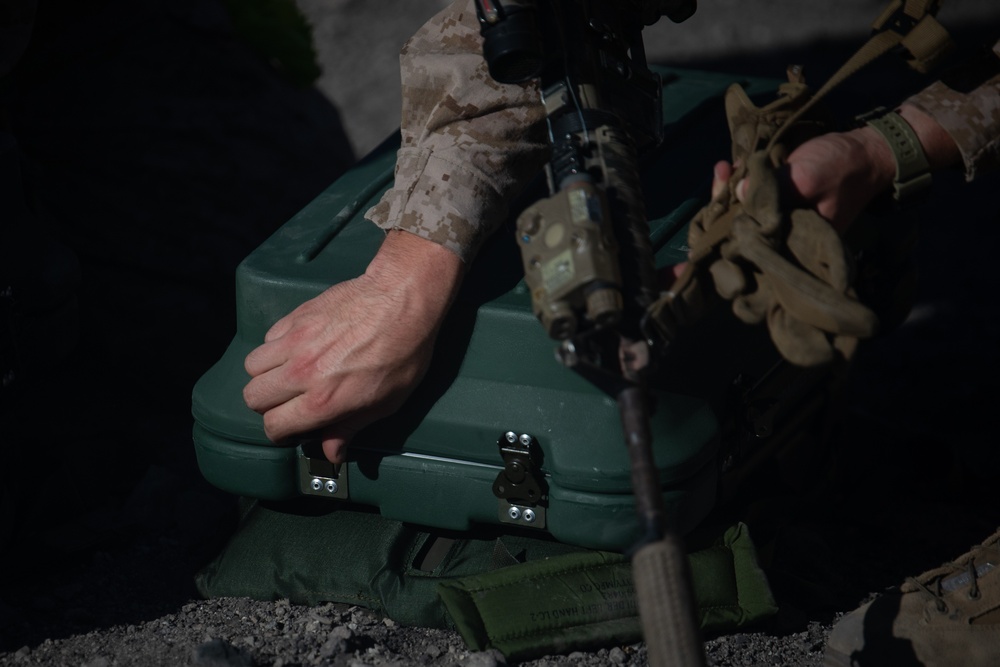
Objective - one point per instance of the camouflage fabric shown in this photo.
(469, 144)
(972, 119)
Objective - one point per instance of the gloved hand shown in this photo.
(788, 269)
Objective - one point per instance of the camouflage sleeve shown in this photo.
(970, 114)
(469, 144)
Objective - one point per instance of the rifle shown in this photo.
(587, 256)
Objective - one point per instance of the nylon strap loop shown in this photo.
(911, 25)
(870, 51)
(927, 43)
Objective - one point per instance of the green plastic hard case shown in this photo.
(494, 373)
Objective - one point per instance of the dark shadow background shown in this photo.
(913, 464)
(159, 148)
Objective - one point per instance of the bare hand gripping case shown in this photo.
(499, 432)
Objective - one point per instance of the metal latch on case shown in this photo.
(319, 477)
(520, 486)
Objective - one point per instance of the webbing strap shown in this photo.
(906, 23)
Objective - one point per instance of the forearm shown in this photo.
(938, 146)
(469, 144)
(427, 273)
(840, 173)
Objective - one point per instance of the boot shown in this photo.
(946, 617)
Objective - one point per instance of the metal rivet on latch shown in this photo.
(316, 484)
(529, 515)
(521, 481)
(566, 354)
(331, 486)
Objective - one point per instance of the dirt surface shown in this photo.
(104, 577)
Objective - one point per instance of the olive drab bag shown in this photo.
(525, 596)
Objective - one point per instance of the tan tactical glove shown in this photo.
(786, 268)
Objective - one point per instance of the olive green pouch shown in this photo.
(525, 596)
(586, 600)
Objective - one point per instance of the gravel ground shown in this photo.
(907, 485)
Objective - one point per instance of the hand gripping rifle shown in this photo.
(586, 251)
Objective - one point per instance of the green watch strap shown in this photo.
(913, 171)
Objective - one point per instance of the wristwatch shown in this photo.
(913, 171)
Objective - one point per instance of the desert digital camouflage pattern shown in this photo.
(469, 144)
(971, 118)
